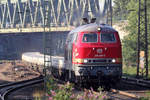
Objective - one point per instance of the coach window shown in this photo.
(108, 37)
(90, 37)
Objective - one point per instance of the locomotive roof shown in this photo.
(93, 27)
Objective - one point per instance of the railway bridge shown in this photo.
(33, 13)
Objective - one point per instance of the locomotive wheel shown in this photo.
(78, 85)
(106, 87)
(95, 86)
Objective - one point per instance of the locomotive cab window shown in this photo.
(108, 37)
(90, 37)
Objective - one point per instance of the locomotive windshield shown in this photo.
(108, 37)
(90, 37)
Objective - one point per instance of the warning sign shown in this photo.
(142, 54)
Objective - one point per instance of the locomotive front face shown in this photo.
(97, 54)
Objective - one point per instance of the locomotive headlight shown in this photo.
(85, 60)
(117, 60)
(98, 28)
(113, 60)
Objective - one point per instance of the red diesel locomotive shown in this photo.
(92, 54)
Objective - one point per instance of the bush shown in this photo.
(66, 92)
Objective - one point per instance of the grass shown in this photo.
(147, 97)
(129, 71)
(132, 71)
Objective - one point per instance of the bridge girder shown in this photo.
(31, 13)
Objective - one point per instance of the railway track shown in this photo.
(123, 94)
(134, 81)
(115, 94)
(10, 87)
(129, 82)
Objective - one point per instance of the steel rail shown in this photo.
(10, 87)
(139, 82)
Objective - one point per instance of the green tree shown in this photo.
(130, 41)
(120, 8)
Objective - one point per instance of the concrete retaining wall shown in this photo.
(12, 45)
